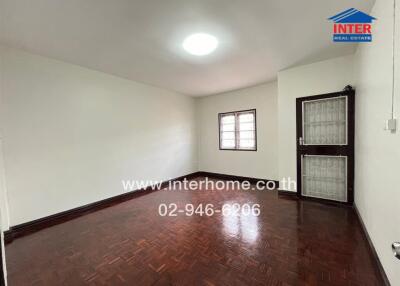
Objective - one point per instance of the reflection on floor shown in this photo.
(290, 243)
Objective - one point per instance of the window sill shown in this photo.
(225, 149)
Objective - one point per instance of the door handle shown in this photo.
(301, 141)
(396, 249)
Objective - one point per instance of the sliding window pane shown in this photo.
(246, 117)
(247, 144)
(247, 130)
(228, 143)
(246, 126)
(228, 135)
(228, 119)
(228, 131)
(247, 135)
(228, 127)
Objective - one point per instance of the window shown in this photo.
(237, 130)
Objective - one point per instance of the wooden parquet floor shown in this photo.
(291, 243)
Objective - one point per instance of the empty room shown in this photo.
(212, 142)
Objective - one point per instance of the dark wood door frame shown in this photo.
(2, 282)
(345, 150)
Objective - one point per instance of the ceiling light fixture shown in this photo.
(200, 44)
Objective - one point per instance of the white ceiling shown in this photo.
(141, 39)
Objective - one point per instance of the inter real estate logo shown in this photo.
(352, 25)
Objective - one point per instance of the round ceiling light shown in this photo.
(200, 44)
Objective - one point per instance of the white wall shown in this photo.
(317, 78)
(4, 220)
(260, 164)
(4, 213)
(377, 156)
(70, 135)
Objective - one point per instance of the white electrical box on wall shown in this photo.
(390, 125)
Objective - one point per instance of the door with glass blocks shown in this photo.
(325, 146)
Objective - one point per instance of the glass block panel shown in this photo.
(324, 121)
(324, 177)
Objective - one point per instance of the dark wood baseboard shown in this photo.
(326, 201)
(41, 223)
(235, 178)
(372, 247)
(287, 193)
(296, 196)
